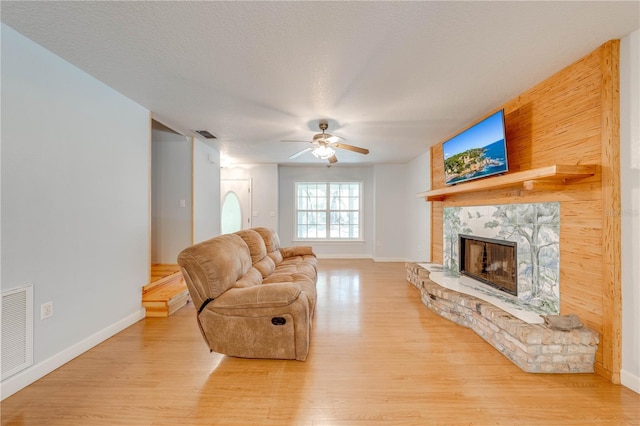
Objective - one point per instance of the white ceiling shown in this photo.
(393, 77)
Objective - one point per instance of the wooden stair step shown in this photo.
(164, 299)
(161, 274)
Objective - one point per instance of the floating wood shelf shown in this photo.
(549, 177)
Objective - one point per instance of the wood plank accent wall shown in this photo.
(570, 118)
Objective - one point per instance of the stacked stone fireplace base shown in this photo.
(534, 348)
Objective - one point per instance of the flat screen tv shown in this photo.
(477, 152)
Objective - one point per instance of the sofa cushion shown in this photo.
(276, 256)
(258, 250)
(272, 243)
(266, 266)
(215, 265)
(264, 296)
(305, 280)
(297, 251)
(252, 278)
(255, 242)
(300, 260)
(270, 238)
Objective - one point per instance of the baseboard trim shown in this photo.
(23, 379)
(344, 256)
(362, 256)
(629, 380)
(389, 259)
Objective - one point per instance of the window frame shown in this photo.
(329, 211)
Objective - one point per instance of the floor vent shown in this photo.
(17, 330)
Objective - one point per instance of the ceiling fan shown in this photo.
(324, 145)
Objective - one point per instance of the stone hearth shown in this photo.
(533, 347)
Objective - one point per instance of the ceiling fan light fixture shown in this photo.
(324, 152)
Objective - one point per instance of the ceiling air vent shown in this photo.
(205, 134)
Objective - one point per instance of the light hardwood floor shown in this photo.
(378, 357)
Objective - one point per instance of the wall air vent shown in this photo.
(17, 330)
(205, 134)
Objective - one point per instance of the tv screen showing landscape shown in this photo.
(477, 152)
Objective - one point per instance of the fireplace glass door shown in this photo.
(490, 261)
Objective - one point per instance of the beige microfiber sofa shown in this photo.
(254, 299)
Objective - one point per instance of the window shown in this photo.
(328, 210)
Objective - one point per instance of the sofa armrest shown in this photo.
(296, 251)
(260, 296)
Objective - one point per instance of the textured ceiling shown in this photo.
(393, 77)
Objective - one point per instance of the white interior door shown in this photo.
(236, 205)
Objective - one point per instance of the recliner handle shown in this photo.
(278, 321)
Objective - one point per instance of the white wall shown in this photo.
(396, 222)
(75, 205)
(291, 174)
(264, 191)
(264, 195)
(630, 193)
(390, 207)
(171, 196)
(418, 210)
(206, 192)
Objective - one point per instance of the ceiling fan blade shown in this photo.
(293, 140)
(333, 159)
(299, 153)
(351, 148)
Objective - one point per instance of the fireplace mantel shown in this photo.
(548, 177)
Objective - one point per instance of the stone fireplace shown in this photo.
(500, 273)
(533, 228)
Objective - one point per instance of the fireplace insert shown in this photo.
(491, 261)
